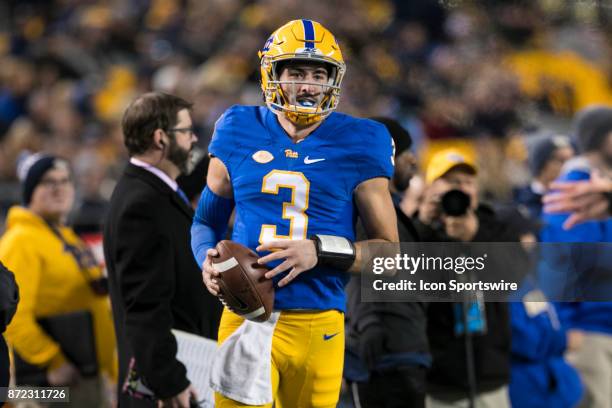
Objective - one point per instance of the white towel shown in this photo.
(241, 369)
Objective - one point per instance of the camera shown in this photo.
(455, 203)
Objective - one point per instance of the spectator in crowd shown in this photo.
(586, 200)
(588, 275)
(546, 157)
(387, 352)
(535, 51)
(57, 275)
(9, 297)
(448, 379)
(540, 377)
(155, 283)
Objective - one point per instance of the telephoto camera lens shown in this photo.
(455, 203)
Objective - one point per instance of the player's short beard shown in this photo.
(178, 156)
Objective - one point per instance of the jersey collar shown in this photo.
(280, 136)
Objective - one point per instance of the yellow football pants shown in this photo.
(307, 358)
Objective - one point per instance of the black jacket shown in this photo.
(404, 323)
(491, 350)
(155, 283)
(9, 297)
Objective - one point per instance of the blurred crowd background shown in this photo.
(482, 75)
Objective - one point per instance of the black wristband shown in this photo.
(333, 251)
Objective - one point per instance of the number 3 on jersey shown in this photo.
(294, 211)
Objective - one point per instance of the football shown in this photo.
(243, 287)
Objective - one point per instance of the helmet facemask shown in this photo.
(299, 108)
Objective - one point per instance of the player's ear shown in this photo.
(159, 139)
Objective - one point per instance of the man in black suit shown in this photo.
(155, 283)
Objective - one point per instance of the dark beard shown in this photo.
(178, 156)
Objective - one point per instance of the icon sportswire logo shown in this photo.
(307, 160)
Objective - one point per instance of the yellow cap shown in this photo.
(444, 161)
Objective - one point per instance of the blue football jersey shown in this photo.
(287, 190)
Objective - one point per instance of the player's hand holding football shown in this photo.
(299, 256)
(209, 274)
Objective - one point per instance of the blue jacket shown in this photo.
(540, 378)
(582, 270)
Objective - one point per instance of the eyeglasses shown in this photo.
(55, 183)
(188, 130)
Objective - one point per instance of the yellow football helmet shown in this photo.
(304, 40)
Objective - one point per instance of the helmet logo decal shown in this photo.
(267, 44)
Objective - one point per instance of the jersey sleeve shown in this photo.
(375, 158)
(224, 142)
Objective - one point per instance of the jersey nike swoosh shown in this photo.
(329, 336)
(310, 161)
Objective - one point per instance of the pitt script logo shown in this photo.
(291, 154)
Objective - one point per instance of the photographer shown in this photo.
(451, 212)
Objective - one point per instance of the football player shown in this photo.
(297, 174)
